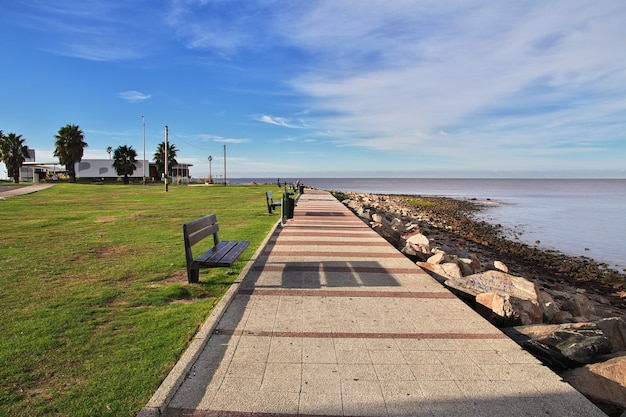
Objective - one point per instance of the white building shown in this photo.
(103, 168)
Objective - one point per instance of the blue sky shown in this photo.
(319, 88)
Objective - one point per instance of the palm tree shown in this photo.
(13, 152)
(70, 145)
(159, 157)
(109, 150)
(124, 159)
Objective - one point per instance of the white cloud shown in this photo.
(489, 75)
(133, 96)
(281, 121)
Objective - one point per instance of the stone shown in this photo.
(417, 239)
(497, 282)
(451, 270)
(527, 311)
(465, 265)
(614, 328)
(547, 305)
(579, 305)
(496, 308)
(563, 346)
(604, 383)
(500, 266)
(561, 317)
(438, 258)
(505, 311)
(419, 252)
(435, 271)
(377, 218)
(476, 265)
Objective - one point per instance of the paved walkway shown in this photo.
(330, 319)
(11, 191)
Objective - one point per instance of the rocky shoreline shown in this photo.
(568, 311)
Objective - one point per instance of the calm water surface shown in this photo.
(577, 217)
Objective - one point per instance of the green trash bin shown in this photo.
(288, 206)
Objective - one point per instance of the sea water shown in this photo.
(578, 217)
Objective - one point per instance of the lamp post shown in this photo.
(210, 179)
(143, 163)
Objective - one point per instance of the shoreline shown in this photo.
(451, 223)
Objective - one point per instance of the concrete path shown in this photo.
(330, 319)
(11, 191)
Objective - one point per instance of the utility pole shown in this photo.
(165, 177)
(144, 150)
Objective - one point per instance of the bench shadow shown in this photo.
(354, 274)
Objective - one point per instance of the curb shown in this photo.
(157, 405)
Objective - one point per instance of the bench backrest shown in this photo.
(196, 230)
(269, 196)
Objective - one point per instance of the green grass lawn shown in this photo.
(94, 311)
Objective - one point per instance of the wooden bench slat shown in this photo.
(234, 253)
(214, 252)
(199, 235)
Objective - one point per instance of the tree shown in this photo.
(13, 153)
(124, 159)
(69, 147)
(159, 157)
(109, 150)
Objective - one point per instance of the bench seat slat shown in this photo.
(232, 255)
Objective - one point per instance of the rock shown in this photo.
(418, 239)
(438, 258)
(500, 266)
(505, 311)
(476, 265)
(579, 305)
(465, 265)
(497, 282)
(435, 271)
(528, 312)
(496, 308)
(563, 346)
(614, 329)
(547, 305)
(419, 252)
(604, 383)
(451, 270)
(561, 317)
(377, 218)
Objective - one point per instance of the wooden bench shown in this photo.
(271, 204)
(222, 253)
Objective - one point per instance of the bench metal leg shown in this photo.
(193, 275)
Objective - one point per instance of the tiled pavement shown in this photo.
(332, 320)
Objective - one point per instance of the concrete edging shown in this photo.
(160, 400)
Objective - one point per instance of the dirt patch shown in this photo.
(106, 219)
(136, 215)
(179, 276)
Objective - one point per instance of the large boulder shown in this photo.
(563, 346)
(435, 271)
(604, 383)
(505, 311)
(580, 306)
(416, 244)
(497, 282)
(548, 306)
(614, 328)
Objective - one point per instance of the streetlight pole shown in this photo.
(166, 131)
(143, 163)
(210, 179)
